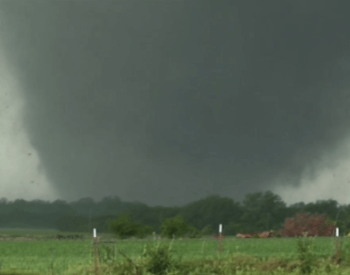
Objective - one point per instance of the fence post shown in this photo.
(96, 252)
(338, 243)
(220, 238)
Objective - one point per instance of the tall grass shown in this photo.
(158, 259)
(169, 257)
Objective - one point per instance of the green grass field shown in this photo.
(41, 253)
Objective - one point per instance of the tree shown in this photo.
(329, 207)
(71, 223)
(212, 210)
(263, 211)
(174, 226)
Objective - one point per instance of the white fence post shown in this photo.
(96, 253)
(220, 238)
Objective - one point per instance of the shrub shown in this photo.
(305, 256)
(313, 224)
(124, 227)
(158, 259)
(174, 226)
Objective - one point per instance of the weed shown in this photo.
(157, 260)
(107, 254)
(305, 256)
(337, 257)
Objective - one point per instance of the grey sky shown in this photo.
(166, 102)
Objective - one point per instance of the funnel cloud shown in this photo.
(166, 102)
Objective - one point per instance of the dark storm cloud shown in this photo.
(169, 101)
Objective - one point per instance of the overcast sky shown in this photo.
(169, 101)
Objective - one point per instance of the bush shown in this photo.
(158, 259)
(124, 227)
(305, 256)
(174, 226)
(313, 224)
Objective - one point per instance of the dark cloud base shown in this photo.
(166, 102)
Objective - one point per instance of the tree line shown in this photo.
(256, 213)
